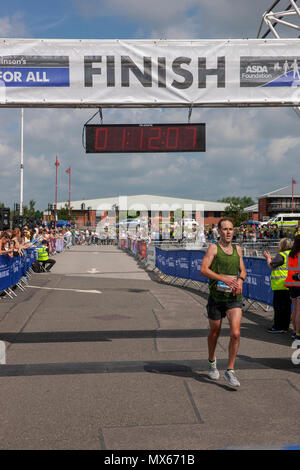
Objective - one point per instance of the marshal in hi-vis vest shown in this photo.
(293, 268)
(279, 275)
(42, 254)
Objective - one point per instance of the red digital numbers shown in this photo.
(145, 138)
(101, 138)
(154, 142)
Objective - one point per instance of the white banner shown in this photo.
(149, 73)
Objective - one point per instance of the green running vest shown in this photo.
(279, 275)
(227, 265)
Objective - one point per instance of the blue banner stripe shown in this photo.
(34, 77)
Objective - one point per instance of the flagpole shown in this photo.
(56, 165)
(69, 171)
(22, 162)
(292, 195)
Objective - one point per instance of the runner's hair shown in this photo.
(296, 247)
(224, 220)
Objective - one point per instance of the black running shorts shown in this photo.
(294, 292)
(217, 310)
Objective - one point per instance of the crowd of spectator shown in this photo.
(14, 241)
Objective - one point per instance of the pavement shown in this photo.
(100, 355)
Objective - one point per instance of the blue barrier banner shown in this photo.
(5, 272)
(183, 263)
(196, 261)
(16, 269)
(13, 269)
(258, 281)
(188, 264)
(161, 259)
(171, 263)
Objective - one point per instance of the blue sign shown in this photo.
(183, 263)
(5, 272)
(34, 71)
(13, 269)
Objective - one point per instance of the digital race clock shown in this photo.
(130, 138)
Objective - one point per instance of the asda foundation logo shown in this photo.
(34, 71)
(269, 71)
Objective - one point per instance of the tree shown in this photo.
(243, 202)
(235, 212)
(63, 213)
(29, 211)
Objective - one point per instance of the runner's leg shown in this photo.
(234, 316)
(212, 339)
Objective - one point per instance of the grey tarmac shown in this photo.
(99, 355)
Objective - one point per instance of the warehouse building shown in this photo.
(90, 212)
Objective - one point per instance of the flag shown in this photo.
(56, 162)
(294, 181)
(68, 170)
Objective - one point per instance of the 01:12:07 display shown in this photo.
(145, 138)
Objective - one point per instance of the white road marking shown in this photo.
(72, 290)
(2, 353)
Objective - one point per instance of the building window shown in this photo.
(217, 214)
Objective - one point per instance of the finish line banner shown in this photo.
(149, 73)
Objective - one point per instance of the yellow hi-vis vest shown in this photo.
(42, 254)
(279, 275)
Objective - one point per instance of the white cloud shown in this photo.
(13, 26)
(279, 149)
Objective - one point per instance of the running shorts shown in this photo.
(294, 292)
(218, 310)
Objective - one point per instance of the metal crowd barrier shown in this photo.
(15, 271)
(181, 267)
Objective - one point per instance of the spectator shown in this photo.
(16, 238)
(215, 233)
(43, 256)
(68, 238)
(5, 248)
(281, 295)
(293, 283)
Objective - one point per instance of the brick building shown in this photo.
(286, 200)
(90, 212)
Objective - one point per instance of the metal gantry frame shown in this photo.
(272, 19)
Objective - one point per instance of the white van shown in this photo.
(284, 220)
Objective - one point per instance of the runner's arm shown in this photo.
(242, 270)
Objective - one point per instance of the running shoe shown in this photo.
(274, 330)
(213, 371)
(231, 378)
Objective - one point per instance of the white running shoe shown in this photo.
(213, 371)
(231, 379)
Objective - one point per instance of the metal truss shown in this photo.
(274, 20)
(288, 18)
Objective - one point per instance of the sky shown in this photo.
(250, 151)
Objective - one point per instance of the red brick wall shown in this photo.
(262, 207)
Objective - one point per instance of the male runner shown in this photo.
(223, 264)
